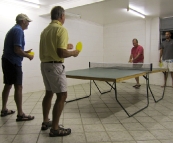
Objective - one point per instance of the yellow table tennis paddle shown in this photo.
(161, 64)
(79, 46)
(31, 53)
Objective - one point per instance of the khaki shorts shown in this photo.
(54, 77)
(168, 64)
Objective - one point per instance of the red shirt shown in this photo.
(138, 50)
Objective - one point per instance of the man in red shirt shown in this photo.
(137, 56)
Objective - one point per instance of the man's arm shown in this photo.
(130, 59)
(160, 57)
(69, 46)
(63, 53)
(28, 51)
(20, 52)
(137, 56)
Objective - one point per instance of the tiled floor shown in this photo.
(98, 119)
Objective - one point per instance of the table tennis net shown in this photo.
(126, 66)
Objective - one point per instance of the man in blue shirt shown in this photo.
(12, 57)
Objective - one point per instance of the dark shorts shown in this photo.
(12, 73)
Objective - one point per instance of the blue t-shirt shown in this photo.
(14, 37)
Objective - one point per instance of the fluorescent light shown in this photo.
(135, 12)
(167, 17)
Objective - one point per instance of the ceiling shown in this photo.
(50, 2)
(115, 11)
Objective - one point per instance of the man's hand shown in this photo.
(64, 53)
(70, 46)
(130, 61)
(28, 51)
(30, 57)
(22, 53)
(161, 53)
(76, 53)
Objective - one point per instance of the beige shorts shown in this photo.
(54, 77)
(168, 64)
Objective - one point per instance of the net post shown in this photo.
(151, 67)
(89, 64)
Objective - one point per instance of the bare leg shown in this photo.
(5, 94)
(172, 78)
(46, 105)
(57, 110)
(165, 78)
(18, 98)
(137, 80)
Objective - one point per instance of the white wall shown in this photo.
(111, 43)
(90, 34)
(118, 44)
(118, 40)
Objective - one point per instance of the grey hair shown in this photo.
(19, 22)
(135, 40)
(57, 12)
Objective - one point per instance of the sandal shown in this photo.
(137, 86)
(62, 127)
(7, 112)
(24, 118)
(59, 132)
(46, 125)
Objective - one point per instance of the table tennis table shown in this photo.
(114, 75)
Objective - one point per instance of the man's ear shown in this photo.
(61, 16)
(24, 21)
